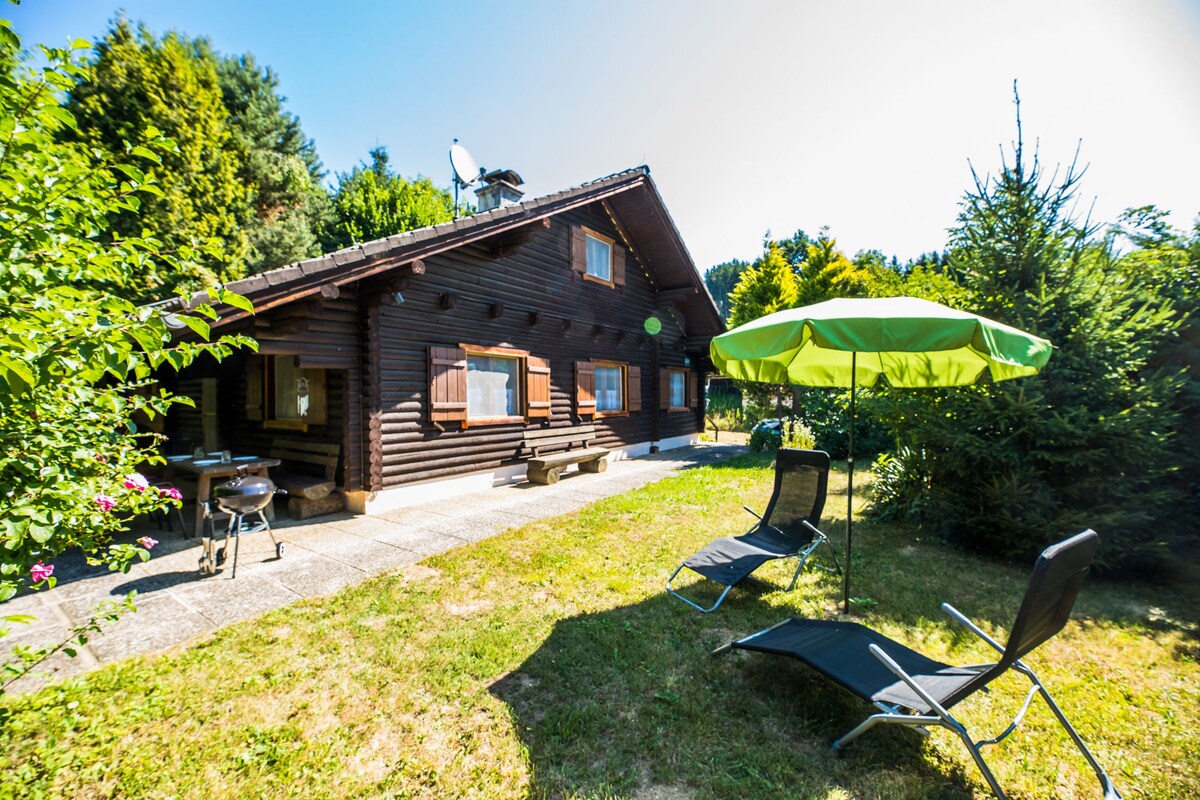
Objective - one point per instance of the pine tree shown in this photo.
(278, 163)
(720, 281)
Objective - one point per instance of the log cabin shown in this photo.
(443, 360)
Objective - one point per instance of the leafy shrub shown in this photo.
(797, 435)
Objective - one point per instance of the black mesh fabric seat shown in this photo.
(912, 690)
(787, 529)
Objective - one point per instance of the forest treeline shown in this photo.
(243, 189)
(1107, 436)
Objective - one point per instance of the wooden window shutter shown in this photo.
(693, 389)
(254, 387)
(634, 392)
(618, 265)
(578, 249)
(447, 384)
(537, 387)
(585, 388)
(664, 389)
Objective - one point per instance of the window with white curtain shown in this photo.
(610, 388)
(599, 258)
(678, 389)
(493, 386)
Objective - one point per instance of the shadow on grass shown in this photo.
(629, 702)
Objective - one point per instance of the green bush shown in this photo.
(901, 485)
(826, 412)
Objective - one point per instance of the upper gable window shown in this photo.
(599, 257)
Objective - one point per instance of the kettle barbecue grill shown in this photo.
(241, 497)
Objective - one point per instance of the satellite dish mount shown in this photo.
(466, 171)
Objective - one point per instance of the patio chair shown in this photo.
(914, 691)
(787, 529)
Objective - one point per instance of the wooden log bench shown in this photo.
(309, 494)
(547, 469)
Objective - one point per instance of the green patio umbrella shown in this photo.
(852, 342)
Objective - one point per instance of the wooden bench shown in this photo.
(309, 495)
(547, 469)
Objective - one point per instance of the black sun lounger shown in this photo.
(787, 529)
(914, 691)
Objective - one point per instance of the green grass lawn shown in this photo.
(548, 662)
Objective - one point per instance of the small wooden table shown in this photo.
(205, 469)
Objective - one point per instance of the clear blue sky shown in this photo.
(751, 115)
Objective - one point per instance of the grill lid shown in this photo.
(244, 493)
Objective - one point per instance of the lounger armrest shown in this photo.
(815, 530)
(899, 672)
(961, 618)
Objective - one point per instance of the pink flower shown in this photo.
(136, 481)
(171, 492)
(105, 502)
(40, 572)
(147, 542)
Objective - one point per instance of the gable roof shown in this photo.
(630, 196)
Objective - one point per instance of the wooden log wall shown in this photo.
(531, 300)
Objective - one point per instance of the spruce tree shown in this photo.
(1085, 443)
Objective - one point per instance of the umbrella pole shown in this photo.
(849, 487)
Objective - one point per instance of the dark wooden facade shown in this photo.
(373, 328)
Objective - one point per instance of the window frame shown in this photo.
(623, 367)
(522, 359)
(612, 245)
(270, 419)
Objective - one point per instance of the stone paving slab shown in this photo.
(175, 603)
(419, 541)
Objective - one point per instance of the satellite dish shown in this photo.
(466, 171)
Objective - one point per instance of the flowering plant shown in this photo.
(77, 360)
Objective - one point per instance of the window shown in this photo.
(295, 396)
(678, 389)
(607, 388)
(478, 385)
(493, 386)
(599, 258)
(610, 388)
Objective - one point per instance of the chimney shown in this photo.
(499, 190)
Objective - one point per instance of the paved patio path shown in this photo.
(175, 603)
